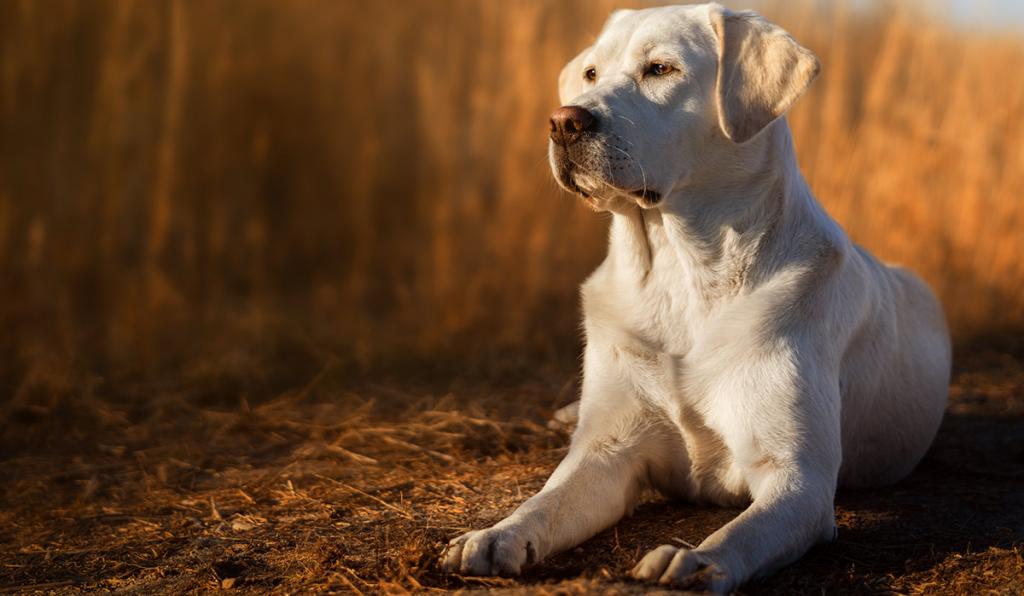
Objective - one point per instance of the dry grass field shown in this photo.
(287, 292)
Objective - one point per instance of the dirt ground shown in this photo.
(355, 486)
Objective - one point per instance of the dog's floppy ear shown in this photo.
(570, 81)
(761, 72)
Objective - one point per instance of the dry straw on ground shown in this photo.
(357, 490)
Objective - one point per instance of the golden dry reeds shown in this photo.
(186, 184)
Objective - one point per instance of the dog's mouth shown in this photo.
(567, 181)
(567, 176)
(646, 195)
(565, 173)
(570, 183)
(593, 187)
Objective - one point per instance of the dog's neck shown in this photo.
(732, 228)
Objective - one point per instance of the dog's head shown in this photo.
(667, 95)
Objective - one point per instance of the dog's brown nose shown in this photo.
(568, 123)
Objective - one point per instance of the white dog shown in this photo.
(739, 348)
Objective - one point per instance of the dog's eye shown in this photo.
(659, 70)
(590, 74)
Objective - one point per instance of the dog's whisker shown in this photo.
(624, 118)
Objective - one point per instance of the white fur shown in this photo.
(739, 348)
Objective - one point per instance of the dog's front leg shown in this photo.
(792, 515)
(782, 432)
(599, 481)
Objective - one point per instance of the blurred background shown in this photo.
(226, 197)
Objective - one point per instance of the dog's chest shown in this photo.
(652, 322)
(651, 310)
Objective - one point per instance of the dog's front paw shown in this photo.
(683, 568)
(494, 551)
